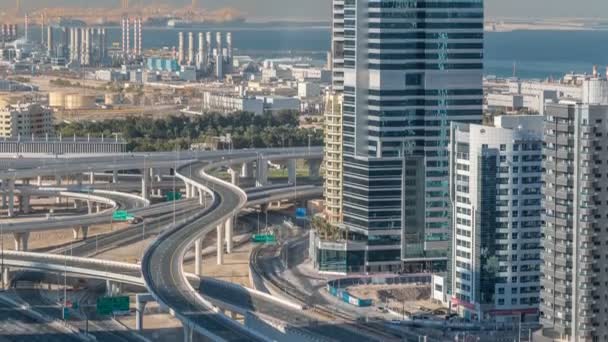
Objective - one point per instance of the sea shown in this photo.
(524, 54)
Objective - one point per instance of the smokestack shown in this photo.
(595, 73)
(218, 42)
(42, 31)
(124, 35)
(190, 48)
(27, 27)
(229, 44)
(49, 39)
(180, 48)
(102, 45)
(201, 50)
(87, 47)
(141, 37)
(209, 47)
(128, 30)
(83, 47)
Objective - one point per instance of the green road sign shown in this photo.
(121, 215)
(110, 305)
(264, 238)
(173, 196)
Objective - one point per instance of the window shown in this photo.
(413, 79)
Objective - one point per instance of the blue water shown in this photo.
(535, 54)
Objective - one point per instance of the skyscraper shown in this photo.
(409, 69)
(574, 297)
(495, 187)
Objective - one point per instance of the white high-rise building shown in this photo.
(495, 189)
(574, 296)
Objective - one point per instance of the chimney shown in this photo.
(180, 49)
(190, 48)
(595, 73)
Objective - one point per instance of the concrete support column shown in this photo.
(145, 183)
(314, 167)
(220, 244)
(79, 179)
(82, 231)
(234, 177)
(229, 233)
(90, 207)
(21, 241)
(187, 333)
(6, 277)
(114, 176)
(198, 256)
(4, 192)
(39, 180)
(201, 197)
(98, 207)
(11, 197)
(262, 172)
(91, 178)
(57, 180)
(292, 171)
(139, 315)
(24, 204)
(85, 232)
(247, 170)
(188, 188)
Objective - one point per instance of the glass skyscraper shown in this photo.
(409, 68)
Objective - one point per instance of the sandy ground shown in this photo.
(415, 299)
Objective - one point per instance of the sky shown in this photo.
(320, 9)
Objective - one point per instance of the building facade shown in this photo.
(495, 189)
(407, 70)
(574, 299)
(30, 119)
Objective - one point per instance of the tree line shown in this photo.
(246, 130)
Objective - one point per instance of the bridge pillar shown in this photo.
(112, 288)
(79, 179)
(145, 183)
(57, 180)
(24, 204)
(139, 314)
(4, 192)
(220, 244)
(234, 176)
(114, 176)
(187, 333)
(81, 231)
(6, 277)
(21, 241)
(262, 172)
(291, 171)
(229, 233)
(98, 205)
(247, 170)
(11, 197)
(91, 178)
(198, 256)
(201, 197)
(90, 207)
(188, 189)
(39, 181)
(314, 169)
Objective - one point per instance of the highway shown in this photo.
(162, 266)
